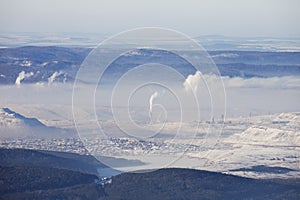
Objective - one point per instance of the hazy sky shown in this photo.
(193, 17)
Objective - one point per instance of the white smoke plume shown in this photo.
(52, 78)
(151, 100)
(192, 82)
(22, 76)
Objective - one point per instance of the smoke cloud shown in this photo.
(22, 76)
(191, 83)
(152, 97)
(52, 78)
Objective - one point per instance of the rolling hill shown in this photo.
(22, 180)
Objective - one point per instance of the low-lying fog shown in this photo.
(255, 96)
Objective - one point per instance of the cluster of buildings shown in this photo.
(111, 146)
(72, 145)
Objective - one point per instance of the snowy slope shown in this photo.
(15, 125)
(270, 141)
(260, 135)
(282, 130)
(10, 118)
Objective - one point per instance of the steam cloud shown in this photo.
(192, 82)
(22, 76)
(52, 78)
(152, 97)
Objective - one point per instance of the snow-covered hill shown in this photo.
(15, 125)
(271, 141)
(10, 118)
(266, 136)
(280, 130)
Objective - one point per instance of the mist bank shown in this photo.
(243, 95)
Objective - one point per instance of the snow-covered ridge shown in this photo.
(261, 135)
(14, 125)
(9, 118)
(275, 130)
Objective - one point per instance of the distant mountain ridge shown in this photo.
(59, 64)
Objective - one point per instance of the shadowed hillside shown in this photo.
(30, 174)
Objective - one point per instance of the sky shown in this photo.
(276, 18)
